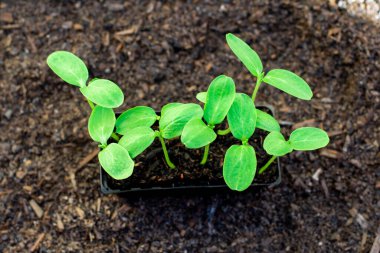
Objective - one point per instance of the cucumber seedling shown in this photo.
(122, 139)
(220, 96)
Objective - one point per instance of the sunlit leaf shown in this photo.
(220, 96)
(69, 67)
(266, 122)
(174, 118)
(137, 140)
(308, 138)
(116, 161)
(135, 117)
(289, 82)
(101, 124)
(169, 106)
(239, 167)
(196, 134)
(202, 96)
(242, 117)
(275, 144)
(245, 54)
(104, 93)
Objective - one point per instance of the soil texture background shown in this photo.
(167, 51)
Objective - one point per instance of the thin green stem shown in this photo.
(262, 169)
(91, 104)
(115, 137)
(205, 154)
(257, 86)
(224, 132)
(166, 154)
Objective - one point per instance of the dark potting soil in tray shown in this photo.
(151, 169)
(176, 48)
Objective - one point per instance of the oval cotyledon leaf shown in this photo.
(135, 117)
(266, 122)
(239, 167)
(242, 117)
(69, 67)
(137, 140)
(174, 118)
(197, 134)
(104, 93)
(202, 96)
(308, 138)
(101, 124)
(275, 144)
(220, 96)
(116, 161)
(289, 82)
(245, 54)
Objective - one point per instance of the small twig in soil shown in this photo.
(36, 245)
(88, 158)
(36, 208)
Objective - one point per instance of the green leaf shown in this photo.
(246, 54)
(101, 124)
(266, 122)
(135, 117)
(239, 167)
(196, 134)
(202, 96)
(174, 118)
(275, 144)
(169, 106)
(137, 140)
(69, 67)
(289, 82)
(104, 93)
(308, 138)
(242, 117)
(116, 161)
(220, 96)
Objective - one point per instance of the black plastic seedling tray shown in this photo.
(108, 186)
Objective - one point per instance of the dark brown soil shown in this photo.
(167, 51)
(151, 169)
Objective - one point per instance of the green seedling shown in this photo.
(302, 139)
(102, 95)
(281, 79)
(240, 162)
(121, 140)
(264, 120)
(173, 119)
(219, 98)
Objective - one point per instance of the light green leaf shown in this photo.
(275, 144)
(174, 118)
(69, 67)
(289, 82)
(202, 96)
(220, 96)
(246, 54)
(101, 124)
(116, 161)
(242, 117)
(266, 122)
(135, 117)
(196, 134)
(308, 138)
(239, 167)
(104, 93)
(137, 140)
(169, 106)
